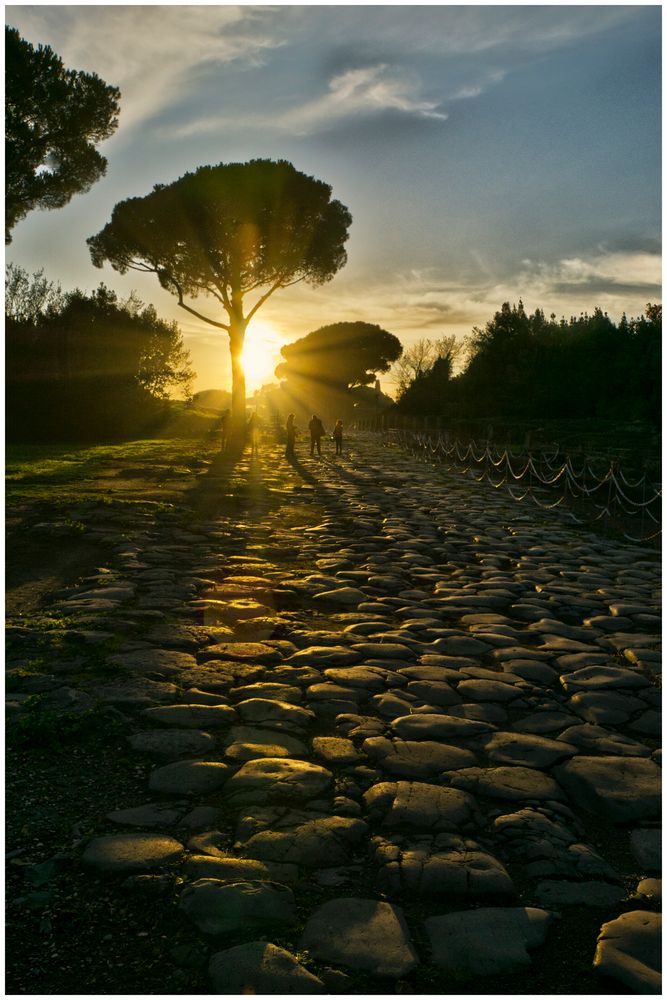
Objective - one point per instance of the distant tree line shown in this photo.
(86, 366)
(527, 366)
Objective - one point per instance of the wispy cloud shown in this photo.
(353, 94)
(151, 53)
(363, 91)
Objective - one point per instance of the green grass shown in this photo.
(61, 471)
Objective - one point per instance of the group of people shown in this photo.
(315, 426)
(317, 432)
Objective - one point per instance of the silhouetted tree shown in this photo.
(30, 297)
(525, 366)
(53, 119)
(226, 231)
(418, 360)
(346, 354)
(325, 364)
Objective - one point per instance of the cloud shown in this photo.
(364, 91)
(151, 53)
(352, 94)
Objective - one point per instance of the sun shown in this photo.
(261, 354)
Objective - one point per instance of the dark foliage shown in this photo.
(525, 366)
(326, 370)
(54, 117)
(341, 354)
(90, 368)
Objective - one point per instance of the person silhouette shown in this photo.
(316, 428)
(291, 436)
(252, 429)
(338, 436)
(224, 429)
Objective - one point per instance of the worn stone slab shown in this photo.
(416, 805)
(435, 727)
(370, 679)
(603, 741)
(258, 967)
(131, 852)
(280, 714)
(605, 707)
(244, 652)
(336, 750)
(136, 692)
(317, 843)
(416, 759)
(150, 814)
(646, 847)
(488, 941)
(189, 777)
(555, 893)
(274, 779)
(342, 596)
(268, 689)
(361, 934)
(620, 788)
(434, 692)
(628, 950)
(172, 744)
(529, 750)
(165, 661)
(385, 651)
(650, 889)
(323, 656)
(263, 740)
(233, 869)
(191, 716)
(226, 907)
(597, 678)
(433, 866)
(479, 689)
(515, 783)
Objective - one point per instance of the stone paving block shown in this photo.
(317, 843)
(131, 852)
(226, 907)
(486, 942)
(628, 950)
(619, 788)
(277, 780)
(419, 806)
(361, 934)
(189, 777)
(416, 759)
(258, 967)
(432, 867)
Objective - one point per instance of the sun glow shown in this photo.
(261, 354)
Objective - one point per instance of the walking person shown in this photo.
(224, 429)
(291, 436)
(252, 429)
(338, 437)
(316, 428)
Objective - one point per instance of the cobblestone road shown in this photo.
(395, 718)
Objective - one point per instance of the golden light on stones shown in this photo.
(243, 604)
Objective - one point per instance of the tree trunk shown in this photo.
(238, 417)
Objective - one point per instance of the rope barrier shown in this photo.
(548, 473)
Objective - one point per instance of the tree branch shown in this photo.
(193, 312)
(260, 302)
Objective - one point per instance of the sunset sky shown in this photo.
(486, 153)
